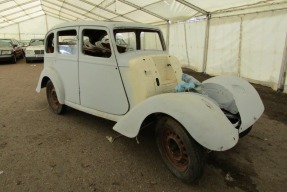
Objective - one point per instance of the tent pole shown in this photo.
(240, 48)
(46, 19)
(19, 31)
(283, 69)
(167, 36)
(186, 47)
(206, 43)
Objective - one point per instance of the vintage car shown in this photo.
(10, 50)
(35, 50)
(140, 85)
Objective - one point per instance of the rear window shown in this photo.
(138, 39)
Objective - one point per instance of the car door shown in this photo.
(65, 61)
(101, 85)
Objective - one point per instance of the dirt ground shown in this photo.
(41, 151)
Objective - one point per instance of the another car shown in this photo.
(10, 50)
(35, 50)
(24, 44)
(137, 84)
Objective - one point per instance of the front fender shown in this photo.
(200, 116)
(54, 77)
(228, 89)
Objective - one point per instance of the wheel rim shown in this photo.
(53, 98)
(174, 149)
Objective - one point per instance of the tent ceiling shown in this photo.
(148, 11)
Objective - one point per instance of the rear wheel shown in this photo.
(183, 156)
(53, 101)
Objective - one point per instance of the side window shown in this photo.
(49, 47)
(126, 41)
(96, 43)
(67, 42)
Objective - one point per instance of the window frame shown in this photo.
(82, 51)
(58, 45)
(137, 32)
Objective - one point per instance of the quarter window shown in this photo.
(49, 43)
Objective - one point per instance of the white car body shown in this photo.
(130, 87)
(34, 52)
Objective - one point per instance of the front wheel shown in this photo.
(53, 101)
(246, 132)
(183, 156)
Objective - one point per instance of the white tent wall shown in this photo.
(195, 40)
(186, 41)
(223, 47)
(52, 21)
(11, 31)
(250, 46)
(177, 42)
(263, 41)
(33, 28)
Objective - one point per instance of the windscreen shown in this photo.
(5, 43)
(35, 42)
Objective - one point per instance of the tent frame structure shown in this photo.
(45, 5)
(67, 10)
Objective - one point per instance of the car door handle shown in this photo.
(157, 81)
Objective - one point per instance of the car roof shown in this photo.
(110, 25)
(36, 39)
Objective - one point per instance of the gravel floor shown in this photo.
(41, 151)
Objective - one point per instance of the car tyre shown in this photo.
(53, 101)
(246, 132)
(180, 152)
(27, 60)
(22, 55)
(14, 59)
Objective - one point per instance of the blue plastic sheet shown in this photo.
(182, 87)
(190, 83)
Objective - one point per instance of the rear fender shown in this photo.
(54, 77)
(199, 115)
(235, 95)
